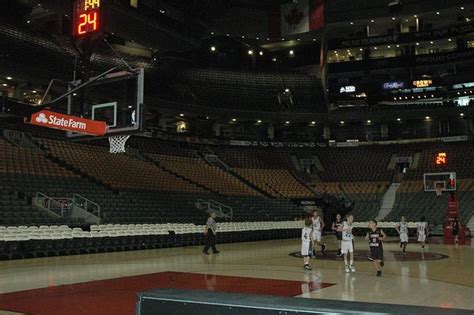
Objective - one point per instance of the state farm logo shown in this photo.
(41, 118)
(60, 122)
(65, 122)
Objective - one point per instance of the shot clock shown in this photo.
(86, 17)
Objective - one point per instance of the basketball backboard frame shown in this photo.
(137, 110)
(433, 180)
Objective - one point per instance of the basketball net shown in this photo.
(117, 143)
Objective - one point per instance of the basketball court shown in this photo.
(442, 277)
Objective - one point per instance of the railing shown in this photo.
(58, 205)
(214, 206)
(87, 205)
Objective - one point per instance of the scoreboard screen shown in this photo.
(441, 159)
(86, 17)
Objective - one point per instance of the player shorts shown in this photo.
(306, 249)
(403, 238)
(339, 236)
(376, 252)
(421, 238)
(455, 232)
(317, 235)
(347, 247)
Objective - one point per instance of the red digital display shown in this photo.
(86, 17)
(441, 159)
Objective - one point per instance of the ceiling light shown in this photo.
(260, 53)
(369, 121)
(372, 21)
(431, 42)
(399, 119)
(227, 34)
(250, 52)
(437, 13)
(287, 90)
(299, 39)
(342, 122)
(213, 48)
(259, 121)
(375, 48)
(257, 38)
(274, 59)
(268, 38)
(212, 33)
(287, 122)
(393, 19)
(234, 120)
(4, 84)
(427, 118)
(314, 39)
(361, 49)
(352, 23)
(28, 22)
(417, 44)
(34, 91)
(292, 52)
(415, 16)
(207, 117)
(243, 36)
(181, 115)
(462, 114)
(398, 46)
(283, 39)
(9, 78)
(74, 94)
(389, 46)
(313, 123)
(462, 8)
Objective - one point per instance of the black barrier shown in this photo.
(183, 302)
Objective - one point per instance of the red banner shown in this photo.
(60, 121)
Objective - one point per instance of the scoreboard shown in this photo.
(86, 17)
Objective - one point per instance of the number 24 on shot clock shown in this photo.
(86, 17)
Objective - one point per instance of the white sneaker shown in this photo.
(347, 269)
(352, 268)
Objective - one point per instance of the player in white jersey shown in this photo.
(402, 229)
(306, 237)
(318, 226)
(422, 231)
(347, 246)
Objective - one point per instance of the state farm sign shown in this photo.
(68, 123)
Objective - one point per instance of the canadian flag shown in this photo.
(295, 17)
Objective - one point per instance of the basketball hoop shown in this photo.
(117, 143)
(439, 191)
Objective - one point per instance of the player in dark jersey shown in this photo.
(335, 226)
(375, 236)
(455, 226)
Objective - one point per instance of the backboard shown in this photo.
(116, 98)
(445, 181)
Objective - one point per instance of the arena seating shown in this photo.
(198, 171)
(248, 90)
(276, 182)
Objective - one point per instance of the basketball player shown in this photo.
(455, 226)
(306, 235)
(347, 246)
(375, 236)
(210, 232)
(402, 229)
(422, 231)
(335, 226)
(318, 226)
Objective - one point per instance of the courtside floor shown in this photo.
(108, 283)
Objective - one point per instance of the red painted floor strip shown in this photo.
(118, 296)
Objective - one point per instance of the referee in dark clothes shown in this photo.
(210, 232)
